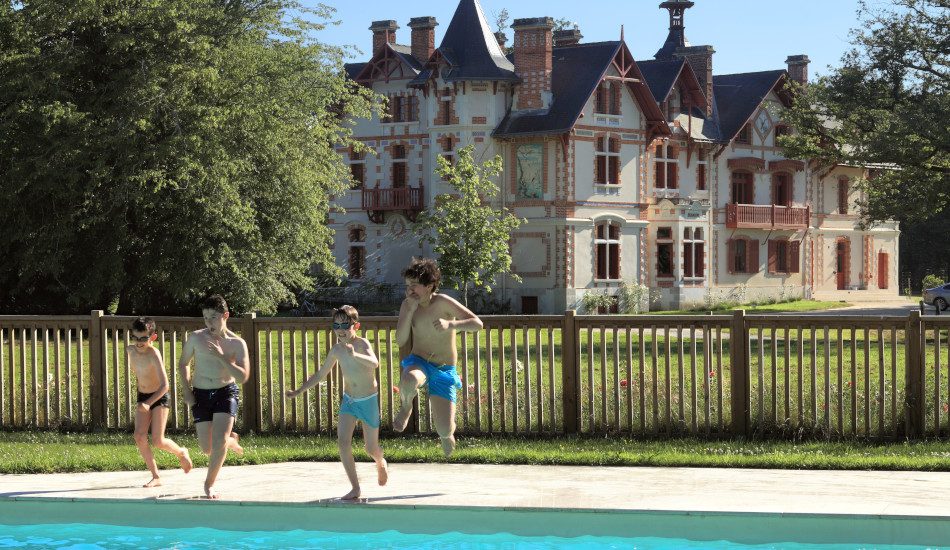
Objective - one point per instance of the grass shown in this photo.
(30, 452)
(796, 306)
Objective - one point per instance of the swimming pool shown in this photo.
(51, 523)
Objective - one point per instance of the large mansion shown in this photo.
(654, 171)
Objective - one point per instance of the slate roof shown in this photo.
(575, 75)
(660, 76)
(471, 49)
(737, 96)
(405, 53)
(353, 69)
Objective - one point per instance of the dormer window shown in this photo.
(745, 135)
(607, 98)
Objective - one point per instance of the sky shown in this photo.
(748, 35)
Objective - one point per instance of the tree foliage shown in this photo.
(886, 105)
(469, 234)
(152, 151)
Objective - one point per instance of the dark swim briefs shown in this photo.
(143, 397)
(218, 400)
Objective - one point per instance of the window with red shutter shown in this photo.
(615, 98)
(600, 99)
(742, 188)
(843, 190)
(753, 263)
(607, 251)
(794, 257)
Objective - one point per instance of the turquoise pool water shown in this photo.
(81, 536)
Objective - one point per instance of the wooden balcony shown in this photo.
(408, 200)
(749, 216)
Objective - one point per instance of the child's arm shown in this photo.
(239, 367)
(366, 358)
(317, 377)
(404, 325)
(465, 320)
(159, 365)
(187, 353)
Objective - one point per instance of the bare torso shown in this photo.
(209, 371)
(434, 345)
(146, 365)
(358, 379)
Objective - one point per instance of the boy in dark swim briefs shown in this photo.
(360, 401)
(151, 411)
(427, 324)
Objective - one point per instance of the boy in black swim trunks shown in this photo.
(151, 412)
(221, 363)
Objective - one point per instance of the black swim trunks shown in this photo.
(218, 400)
(143, 397)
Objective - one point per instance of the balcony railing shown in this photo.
(748, 216)
(406, 199)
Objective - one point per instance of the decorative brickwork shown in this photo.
(545, 243)
(423, 37)
(534, 44)
(446, 114)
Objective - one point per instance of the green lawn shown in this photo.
(22, 452)
(797, 306)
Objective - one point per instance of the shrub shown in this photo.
(592, 301)
(931, 281)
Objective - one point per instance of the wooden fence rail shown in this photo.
(714, 375)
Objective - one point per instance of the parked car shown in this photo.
(938, 297)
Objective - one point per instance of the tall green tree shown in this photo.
(152, 151)
(468, 232)
(887, 105)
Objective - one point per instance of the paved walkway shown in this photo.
(530, 487)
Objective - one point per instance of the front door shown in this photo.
(882, 261)
(841, 267)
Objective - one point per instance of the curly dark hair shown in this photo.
(424, 270)
(215, 302)
(144, 324)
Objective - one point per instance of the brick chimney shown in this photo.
(423, 37)
(502, 39)
(533, 63)
(384, 32)
(700, 58)
(567, 37)
(798, 68)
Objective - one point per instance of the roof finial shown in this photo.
(621, 33)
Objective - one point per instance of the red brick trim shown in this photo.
(746, 163)
(786, 165)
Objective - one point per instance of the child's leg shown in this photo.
(443, 415)
(142, 424)
(371, 437)
(344, 439)
(159, 421)
(410, 381)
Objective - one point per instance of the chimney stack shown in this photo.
(384, 32)
(423, 37)
(502, 39)
(798, 68)
(570, 37)
(533, 61)
(700, 58)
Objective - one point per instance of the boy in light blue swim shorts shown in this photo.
(360, 401)
(426, 328)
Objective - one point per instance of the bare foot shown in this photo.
(382, 471)
(354, 494)
(238, 450)
(448, 445)
(211, 493)
(156, 482)
(402, 418)
(185, 461)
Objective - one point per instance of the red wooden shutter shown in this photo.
(699, 264)
(671, 180)
(753, 254)
(614, 261)
(794, 257)
(701, 177)
(773, 256)
(882, 270)
(731, 255)
(614, 170)
(600, 253)
(660, 175)
(600, 175)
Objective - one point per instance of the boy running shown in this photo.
(360, 401)
(151, 413)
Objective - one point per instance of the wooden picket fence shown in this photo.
(649, 375)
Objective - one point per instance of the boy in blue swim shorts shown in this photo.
(427, 325)
(360, 401)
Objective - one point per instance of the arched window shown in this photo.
(743, 187)
(357, 256)
(607, 251)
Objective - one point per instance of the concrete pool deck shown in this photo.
(894, 494)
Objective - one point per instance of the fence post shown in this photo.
(253, 411)
(569, 386)
(98, 403)
(914, 377)
(739, 373)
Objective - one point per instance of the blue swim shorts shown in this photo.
(364, 409)
(442, 380)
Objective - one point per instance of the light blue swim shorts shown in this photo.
(364, 409)
(442, 380)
